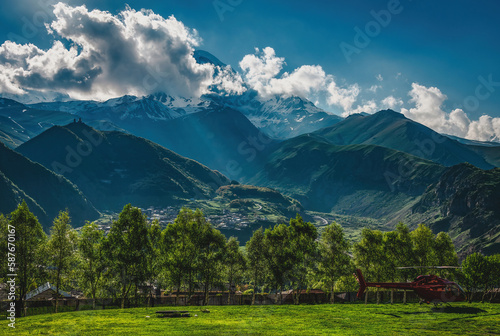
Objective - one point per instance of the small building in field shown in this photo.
(47, 292)
(306, 296)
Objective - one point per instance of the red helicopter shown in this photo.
(429, 288)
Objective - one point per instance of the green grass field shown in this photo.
(338, 319)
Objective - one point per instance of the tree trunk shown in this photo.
(57, 288)
(392, 295)
(366, 297)
(205, 298)
(295, 295)
(254, 290)
(22, 306)
(332, 297)
(124, 294)
(229, 292)
(190, 285)
(136, 294)
(281, 294)
(378, 296)
(404, 296)
(178, 293)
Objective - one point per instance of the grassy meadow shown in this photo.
(338, 319)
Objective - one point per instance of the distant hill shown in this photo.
(393, 130)
(45, 192)
(262, 207)
(114, 168)
(466, 203)
(19, 123)
(360, 180)
(219, 137)
(490, 153)
(11, 195)
(213, 134)
(280, 117)
(245, 192)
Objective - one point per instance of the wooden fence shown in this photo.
(36, 307)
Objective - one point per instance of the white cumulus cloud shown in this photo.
(133, 52)
(374, 88)
(366, 107)
(344, 97)
(429, 111)
(228, 81)
(261, 72)
(391, 102)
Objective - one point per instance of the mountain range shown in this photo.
(362, 180)
(392, 129)
(114, 168)
(45, 192)
(465, 202)
(160, 150)
(213, 134)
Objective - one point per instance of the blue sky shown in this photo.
(447, 45)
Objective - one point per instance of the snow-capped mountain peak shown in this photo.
(203, 57)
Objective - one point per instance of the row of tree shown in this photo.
(191, 255)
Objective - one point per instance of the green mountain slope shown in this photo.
(491, 154)
(218, 137)
(393, 130)
(19, 123)
(11, 195)
(466, 203)
(114, 168)
(361, 180)
(45, 192)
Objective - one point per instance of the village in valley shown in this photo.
(225, 220)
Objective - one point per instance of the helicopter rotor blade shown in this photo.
(436, 267)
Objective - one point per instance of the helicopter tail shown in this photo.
(362, 283)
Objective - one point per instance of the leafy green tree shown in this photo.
(302, 237)
(334, 260)
(153, 259)
(369, 254)
(61, 248)
(495, 274)
(127, 249)
(178, 250)
(91, 257)
(479, 274)
(347, 283)
(211, 245)
(235, 263)
(255, 249)
(279, 255)
(4, 223)
(30, 239)
(398, 247)
(423, 245)
(445, 254)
